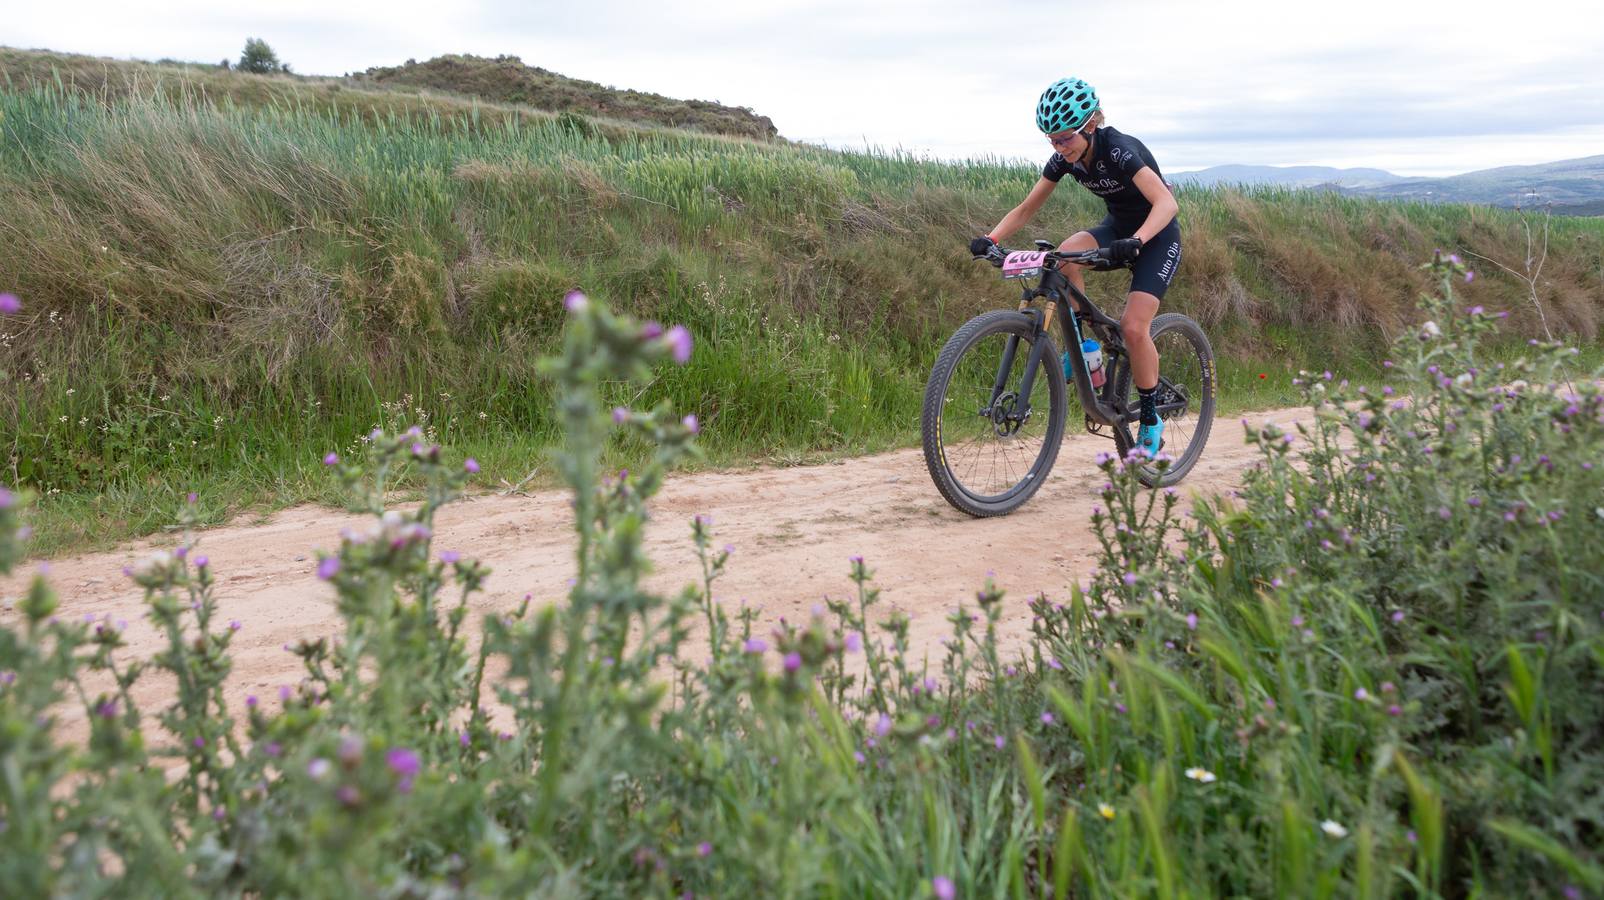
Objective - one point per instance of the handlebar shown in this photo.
(1097, 260)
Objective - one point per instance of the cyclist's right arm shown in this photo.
(1021, 215)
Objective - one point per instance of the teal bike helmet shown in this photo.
(1066, 104)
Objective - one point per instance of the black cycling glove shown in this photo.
(981, 246)
(1125, 250)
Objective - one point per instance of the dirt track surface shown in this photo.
(793, 531)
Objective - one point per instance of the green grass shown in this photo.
(217, 293)
(1370, 672)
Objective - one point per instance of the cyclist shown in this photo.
(1140, 227)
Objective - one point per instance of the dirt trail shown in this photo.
(793, 530)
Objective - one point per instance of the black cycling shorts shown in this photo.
(1159, 260)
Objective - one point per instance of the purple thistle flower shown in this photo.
(1361, 694)
(858, 755)
(234, 625)
(1470, 276)
(882, 725)
(10, 305)
(462, 737)
(943, 888)
(403, 762)
(328, 568)
(679, 343)
(1397, 616)
(450, 556)
(1130, 578)
(346, 794)
(202, 562)
(1191, 621)
(691, 424)
(651, 331)
(317, 768)
(999, 742)
(471, 465)
(1053, 661)
(1047, 718)
(755, 645)
(1121, 707)
(574, 301)
(106, 709)
(1395, 710)
(332, 459)
(284, 693)
(854, 642)
(704, 849)
(620, 414)
(793, 661)
(251, 701)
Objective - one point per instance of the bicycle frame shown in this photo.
(1115, 411)
(1057, 290)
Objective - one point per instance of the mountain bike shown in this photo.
(995, 406)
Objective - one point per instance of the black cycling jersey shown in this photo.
(1111, 174)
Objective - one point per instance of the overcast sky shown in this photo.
(1418, 88)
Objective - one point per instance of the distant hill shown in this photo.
(506, 79)
(1569, 187)
(1286, 176)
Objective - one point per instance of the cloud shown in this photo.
(1231, 81)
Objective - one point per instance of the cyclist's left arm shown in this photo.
(1158, 194)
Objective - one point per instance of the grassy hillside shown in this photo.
(488, 91)
(220, 285)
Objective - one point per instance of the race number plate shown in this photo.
(1023, 263)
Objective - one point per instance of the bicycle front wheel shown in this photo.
(984, 456)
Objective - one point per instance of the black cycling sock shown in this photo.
(1149, 407)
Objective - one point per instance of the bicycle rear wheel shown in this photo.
(983, 459)
(1186, 392)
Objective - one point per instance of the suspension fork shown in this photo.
(1038, 348)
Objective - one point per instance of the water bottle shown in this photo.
(1093, 352)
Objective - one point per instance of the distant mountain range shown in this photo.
(1572, 186)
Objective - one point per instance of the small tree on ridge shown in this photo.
(259, 58)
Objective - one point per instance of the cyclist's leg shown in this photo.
(1150, 278)
(1099, 235)
(1135, 324)
(1077, 242)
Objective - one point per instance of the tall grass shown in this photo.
(1372, 674)
(211, 286)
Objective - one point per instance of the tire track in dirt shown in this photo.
(793, 531)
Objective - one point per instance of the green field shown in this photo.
(222, 281)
